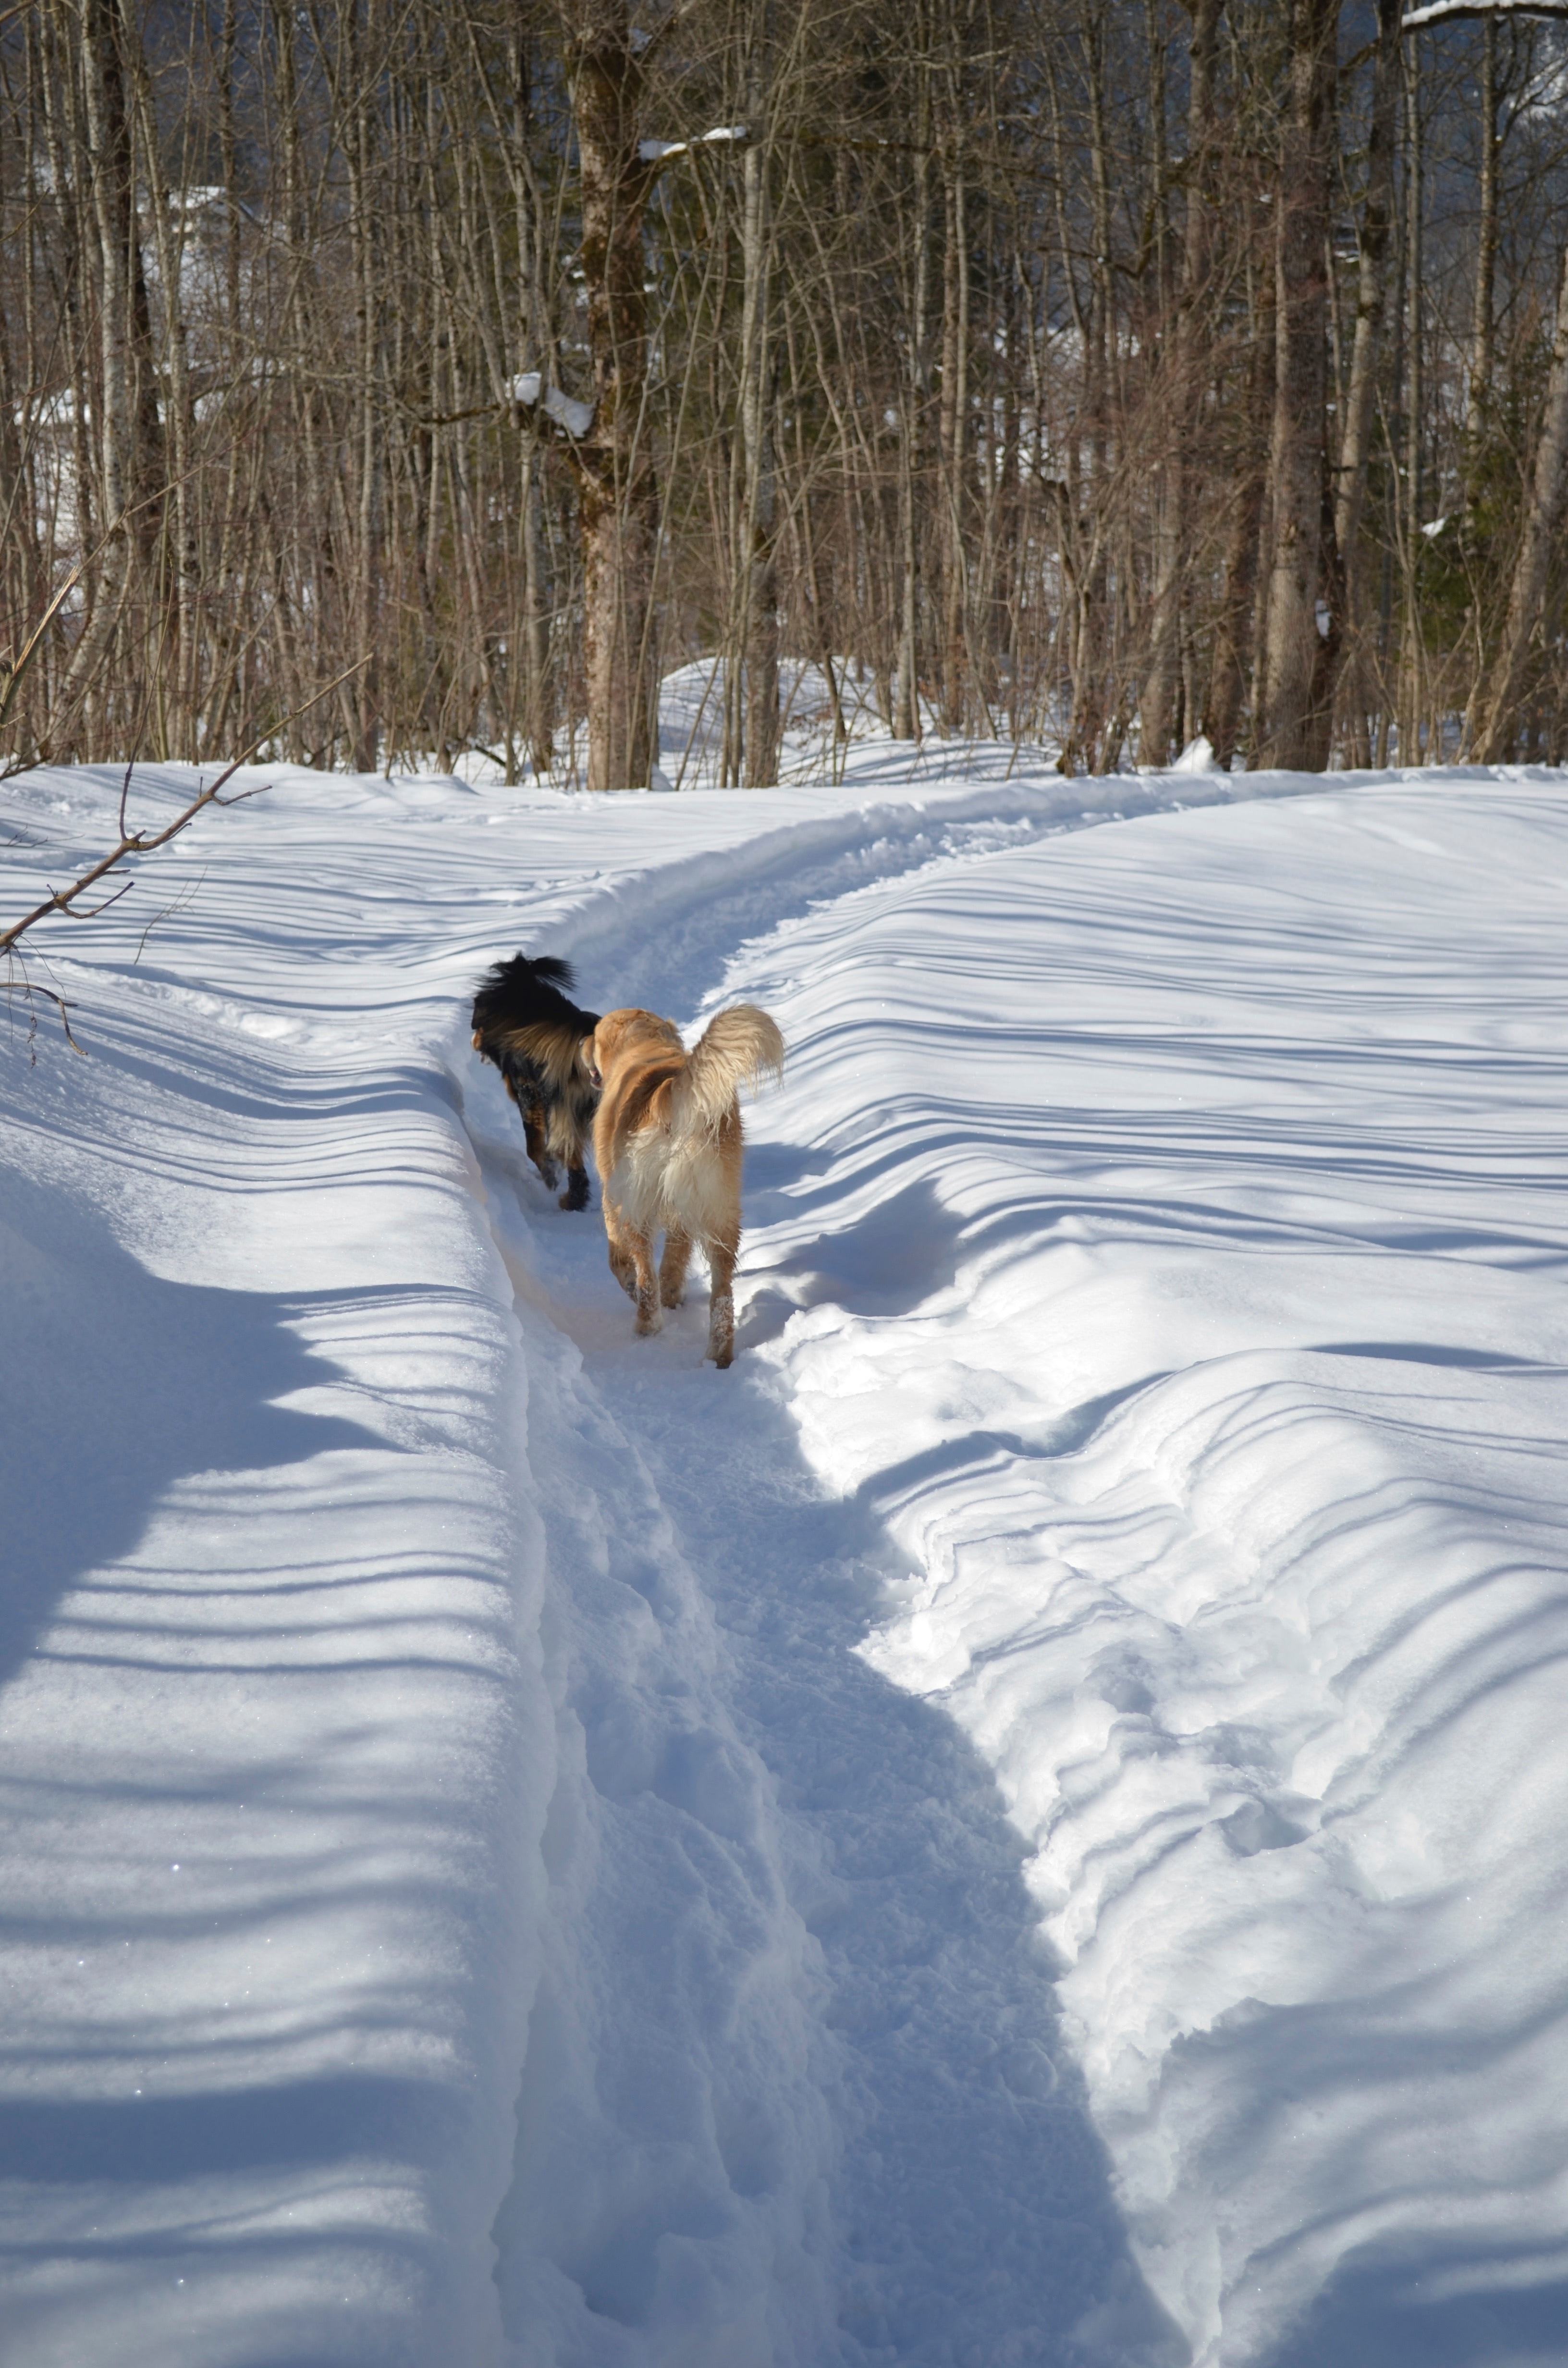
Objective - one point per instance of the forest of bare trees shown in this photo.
(394, 378)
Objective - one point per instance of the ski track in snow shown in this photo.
(1006, 1815)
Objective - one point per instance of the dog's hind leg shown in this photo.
(722, 1257)
(576, 1193)
(647, 1287)
(534, 1141)
(673, 1266)
(622, 1265)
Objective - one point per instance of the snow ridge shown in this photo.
(1024, 1821)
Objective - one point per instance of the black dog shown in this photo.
(525, 1023)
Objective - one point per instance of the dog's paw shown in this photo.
(549, 1175)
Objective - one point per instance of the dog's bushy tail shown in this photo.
(554, 972)
(738, 1047)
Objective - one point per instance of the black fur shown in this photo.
(525, 1021)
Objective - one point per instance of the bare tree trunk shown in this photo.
(617, 498)
(108, 130)
(177, 735)
(1410, 653)
(357, 148)
(906, 701)
(1236, 636)
(1483, 339)
(760, 525)
(1179, 388)
(1372, 307)
(954, 436)
(537, 353)
(1359, 411)
(1294, 726)
(1526, 593)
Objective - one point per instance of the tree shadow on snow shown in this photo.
(115, 1383)
(115, 1386)
(974, 2194)
(1489, 2313)
(897, 1256)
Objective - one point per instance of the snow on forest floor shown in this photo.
(1022, 1823)
(691, 753)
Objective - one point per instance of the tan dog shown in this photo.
(667, 1143)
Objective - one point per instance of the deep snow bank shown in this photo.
(1157, 1240)
(278, 1738)
(1178, 1272)
(269, 1749)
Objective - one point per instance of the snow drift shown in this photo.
(1024, 1822)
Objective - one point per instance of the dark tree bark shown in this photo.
(1371, 293)
(1162, 690)
(1294, 722)
(617, 495)
(1360, 402)
(1498, 705)
(1235, 630)
(761, 735)
(1483, 348)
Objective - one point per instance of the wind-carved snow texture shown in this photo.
(794, 2061)
(1022, 1822)
(1186, 1297)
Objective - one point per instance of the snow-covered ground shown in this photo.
(691, 752)
(1025, 1822)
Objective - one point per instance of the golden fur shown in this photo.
(668, 1145)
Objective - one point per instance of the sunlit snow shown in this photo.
(1024, 1822)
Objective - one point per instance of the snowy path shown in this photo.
(1022, 1823)
(789, 1887)
(1200, 1341)
(275, 1761)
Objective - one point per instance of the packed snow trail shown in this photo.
(1159, 1235)
(870, 2011)
(795, 2091)
(1153, 1362)
(275, 1744)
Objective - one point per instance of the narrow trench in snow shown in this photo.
(784, 1892)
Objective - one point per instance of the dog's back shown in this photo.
(669, 1142)
(525, 1020)
(642, 1059)
(529, 996)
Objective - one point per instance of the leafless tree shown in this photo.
(1097, 373)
